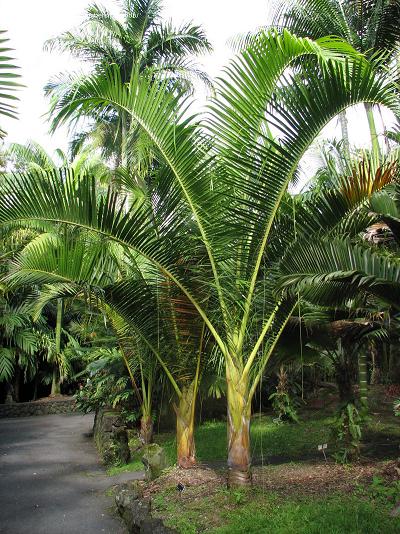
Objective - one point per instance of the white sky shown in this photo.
(30, 23)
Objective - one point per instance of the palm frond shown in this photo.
(8, 81)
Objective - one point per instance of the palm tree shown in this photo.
(216, 194)
(8, 83)
(32, 156)
(370, 26)
(140, 40)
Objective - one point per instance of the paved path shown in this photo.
(50, 478)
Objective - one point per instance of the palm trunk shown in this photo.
(345, 132)
(185, 411)
(55, 384)
(146, 429)
(372, 128)
(362, 379)
(239, 412)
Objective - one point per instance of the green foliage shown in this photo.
(346, 433)
(381, 490)
(108, 384)
(282, 405)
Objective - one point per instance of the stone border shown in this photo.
(26, 409)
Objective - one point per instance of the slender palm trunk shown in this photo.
(345, 132)
(185, 412)
(239, 412)
(55, 384)
(362, 379)
(372, 128)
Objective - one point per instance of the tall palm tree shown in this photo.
(139, 40)
(217, 194)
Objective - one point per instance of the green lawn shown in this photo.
(254, 512)
(301, 509)
(267, 438)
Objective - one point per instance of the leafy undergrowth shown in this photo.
(301, 499)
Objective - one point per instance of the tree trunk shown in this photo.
(17, 384)
(146, 429)
(363, 379)
(239, 412)
(345, 132)
(345, 384)
(372, 128)
(186, 450)
(55, 384)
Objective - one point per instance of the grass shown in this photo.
(255, 512)
(295, 504)
(267, 438)
(134, 465)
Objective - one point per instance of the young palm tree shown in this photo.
(217, 196)
(145, 311)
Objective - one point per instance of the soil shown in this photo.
(307, 478)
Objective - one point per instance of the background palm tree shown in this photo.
(139, 41)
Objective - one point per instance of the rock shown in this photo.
(154, 460)
(109, 420)
(111, 437)
(134, 442)
(136, 511)
(155, 526)
(127, 493)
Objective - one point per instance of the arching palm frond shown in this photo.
(365, 269)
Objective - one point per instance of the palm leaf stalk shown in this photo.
(220, 194)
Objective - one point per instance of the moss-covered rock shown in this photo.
(111, 438)
(154, 460)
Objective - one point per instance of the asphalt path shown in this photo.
(51, 481)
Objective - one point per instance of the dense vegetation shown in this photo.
(166, 259)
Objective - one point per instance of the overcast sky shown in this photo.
(30, 23)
